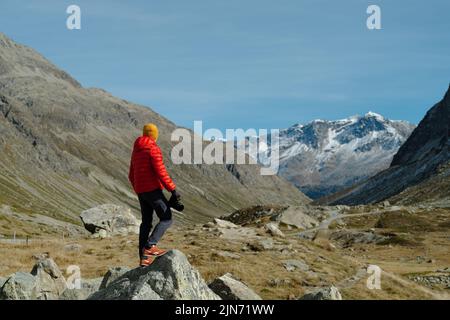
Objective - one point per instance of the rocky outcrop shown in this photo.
(112, 274)
(45, 282)
(50, 282)
(420, 158)
(326, 293)
(273, 229)
(349, 237)
(294, 216)
(109, 220)
(292, 264)
(229, 288)
(170, 277)
(19, 286)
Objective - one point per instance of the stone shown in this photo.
(225, 224)
(326, 293)
(294, 216)
(113, 219)
(273, 229)
(112, 274)
(50, 282)
(229, 288)
(227, 254)
(262, 245)
(19, 286)
(291, 265)
(88, 287)
(169, 277)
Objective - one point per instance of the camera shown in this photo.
(175, 203)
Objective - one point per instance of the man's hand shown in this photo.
(176, 195)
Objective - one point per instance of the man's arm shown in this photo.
(160, 169)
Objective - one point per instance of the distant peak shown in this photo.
(371, 114)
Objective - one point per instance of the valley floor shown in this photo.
(410, 245)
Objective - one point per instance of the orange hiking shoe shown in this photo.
(146, 260)
(153, 251)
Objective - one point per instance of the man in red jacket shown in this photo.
(149, 177)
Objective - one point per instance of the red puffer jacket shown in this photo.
(147, 170)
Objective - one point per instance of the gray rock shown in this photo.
(112, 219)
(227, 254)
(273, 229)
(112, 274)
(349, 237)
(19, 286)
(225, 224)
(88, 287)
(295, 217)
(326, 293)
(292, 265)
(50, 282)
(229, 288)
(170, 277)
(261, 245)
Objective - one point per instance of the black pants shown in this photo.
(153, 201)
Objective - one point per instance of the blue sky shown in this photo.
(248, 63)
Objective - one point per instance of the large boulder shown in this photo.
(19, 286)
(112, 274)
(229, 288)
(45, 282)
(170, 277)
(109, 219)
(295, 217)
(50, 282)
(88, 287)
(326, 293)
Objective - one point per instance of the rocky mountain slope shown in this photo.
(323, 157)
(65, 148)
(419, 171)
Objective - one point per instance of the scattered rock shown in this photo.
(348, 237)
(292, 265)
(273, 229)
(19, 286)
(225, 224)
(228, 288)
(261, 245)
(295, 217)
(112, 274)
(170, 277)
(227, 254)
(50, 282)
(326, 293)
(112, 219)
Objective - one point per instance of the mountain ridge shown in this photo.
(419, 171)
(324, 156)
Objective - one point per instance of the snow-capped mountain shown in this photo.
(323, 157)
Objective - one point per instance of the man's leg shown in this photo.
(146, 224)
(162, 209)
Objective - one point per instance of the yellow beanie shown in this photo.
(150, 130)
